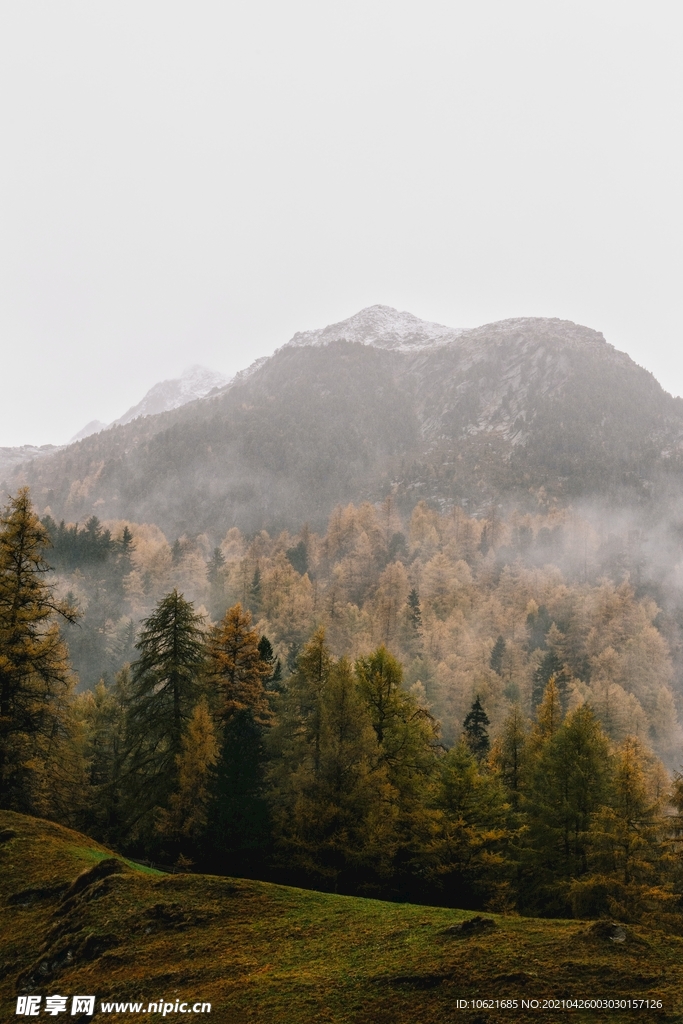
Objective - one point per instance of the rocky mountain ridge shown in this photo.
(502, 412)
(382, 327)
(196, 382)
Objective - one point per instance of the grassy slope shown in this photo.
(261, 952)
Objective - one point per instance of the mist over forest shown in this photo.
(563, 593)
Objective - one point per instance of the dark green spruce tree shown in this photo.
(216, 579)
(567, 782)
(166, 684)
(414, 623)
(475, 728)
(240, 666)
(551, 667)
(267, 655)
(496, 659)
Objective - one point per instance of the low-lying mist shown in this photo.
(490, 604)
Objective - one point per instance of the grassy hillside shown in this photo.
(262, 952)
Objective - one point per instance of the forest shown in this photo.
(472, 711)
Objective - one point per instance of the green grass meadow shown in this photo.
(271, 954)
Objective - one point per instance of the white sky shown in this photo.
(194, 182)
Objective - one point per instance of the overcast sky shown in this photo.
(195, 182)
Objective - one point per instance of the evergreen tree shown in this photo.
(103, 712)
(126, 541)
(216, 580)
(35, 679)
(476, 735)
(255, 595)
(471, 845)
(167, 682)
(306, 689)
(414, 611)
(496, 659)
(567, 783)
(167, 675)
(330, 798)
(551, 667)
(265, 649)
(123, 564)
(538, 623)
(413, 633)
(296, 753)
(408, 747)
(510, 754)
(298, 557)
(239, 829)
(215, 567)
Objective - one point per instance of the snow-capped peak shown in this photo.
(383, 327)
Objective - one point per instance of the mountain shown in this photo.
(382, 327)
(195, 382)
(93, 427)
(12, 458)
(523, 410)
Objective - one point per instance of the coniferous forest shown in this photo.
(447, 710)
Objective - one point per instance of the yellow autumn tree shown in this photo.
(35, 677)
(186, 815)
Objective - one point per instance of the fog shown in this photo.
(194, 184)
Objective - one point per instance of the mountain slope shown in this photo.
(78, 919)
(195, 382)
(500, 411)
(12, 458)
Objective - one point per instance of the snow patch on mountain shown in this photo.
(382, 327)
(196, 382)
(242, 375)
(93, 427)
